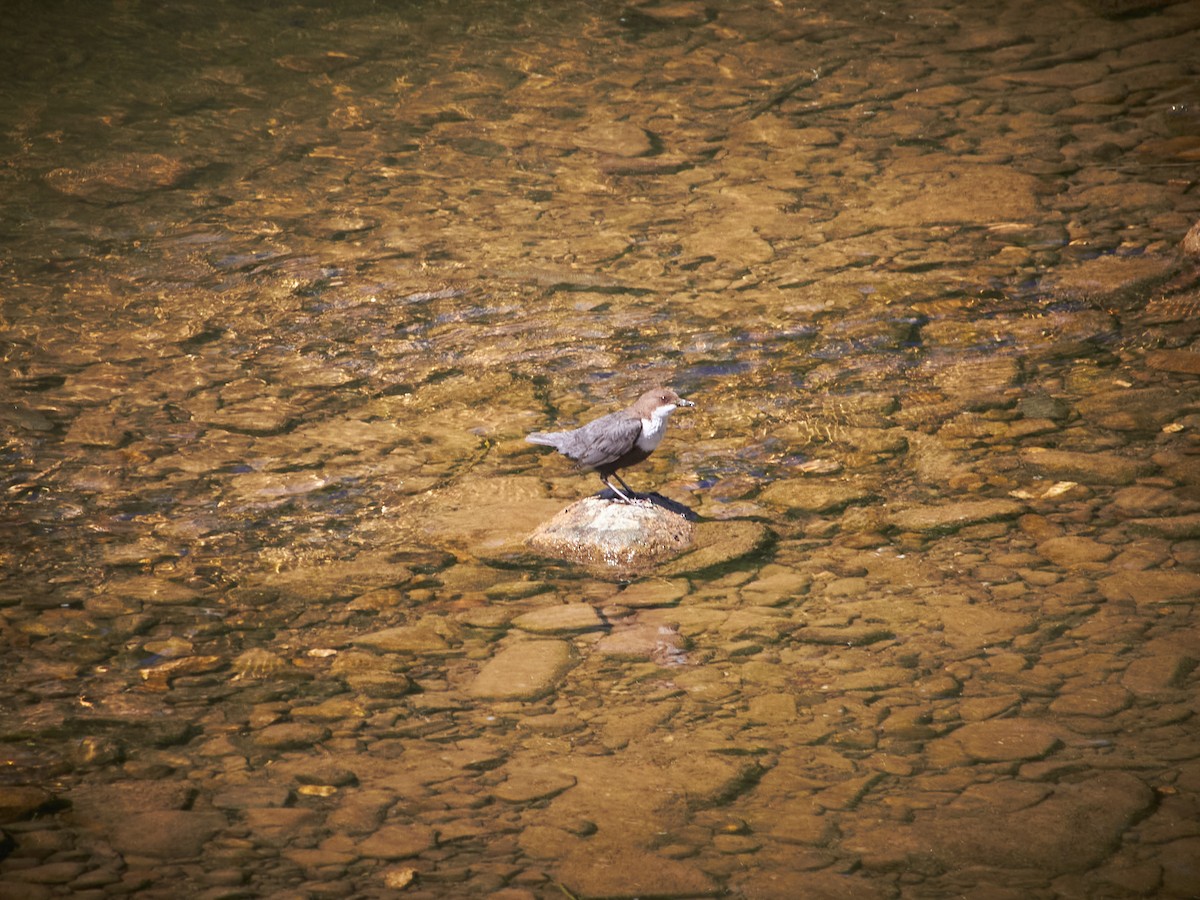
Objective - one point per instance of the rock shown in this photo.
(1072, 830)
(1140, 500)
(1098, 701)
(719, 544)
(634, 724)
(998, 740)
(651, 593)
(335, 709)
(645, 641)
(621, 871)
(563, 618)
(805, 497)
(617, 537)
(360, 812)
(941, 190)
(1180, 869)
(1109, 276)
(1134, 409)
(398, 842)
(1176, 528)
(290, 736)
(1190, 245)
(314, 860)
(53, 873)
(373, 674)
(781, 884)
(622, 139)
(245, 796)
(1074, 551)
(1158, 672)
(21, 802)
(319, 580)
(525, 670)
(951, 517)
(772, 709)
(776, 585)
(1085, 468)
(547, 842)
(418, 639)
(272, 823)
(1185, 362)
(517, 589)
(1164, 586)
(526, 785)
(120, 179)
(164, 834)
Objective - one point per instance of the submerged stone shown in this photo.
(1073, 829)
(645, 641)
(398, 842)
(721, 543)
(525, 670)
(999, 740)
(419, 639)
(560, 619)
(621, 871)
(165, 834)
(805, 497)
(1170, 586)
(21, 802)
(1086, 468)
(953, 516)
(119, 179)
(615, 536)
(528, 784)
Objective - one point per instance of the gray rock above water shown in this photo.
(617, 536)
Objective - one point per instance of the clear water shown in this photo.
(283, 287)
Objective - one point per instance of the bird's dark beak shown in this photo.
(683, 402)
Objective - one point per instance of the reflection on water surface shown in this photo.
(283, 289)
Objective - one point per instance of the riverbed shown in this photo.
(282, 290)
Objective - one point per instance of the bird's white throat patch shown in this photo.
(653, 428)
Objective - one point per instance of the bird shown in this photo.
(617, 440)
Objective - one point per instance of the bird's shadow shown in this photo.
(658, 500)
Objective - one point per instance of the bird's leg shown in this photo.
(632, 492)
(609, 485)
(644, 501)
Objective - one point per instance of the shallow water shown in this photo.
(283, 288)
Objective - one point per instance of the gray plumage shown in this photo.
(617, 440)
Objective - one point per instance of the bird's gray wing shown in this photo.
(603, 441)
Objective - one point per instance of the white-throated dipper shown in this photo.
(619, 439)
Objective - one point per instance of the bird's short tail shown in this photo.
(545, 438)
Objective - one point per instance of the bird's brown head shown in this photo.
(658, 402)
